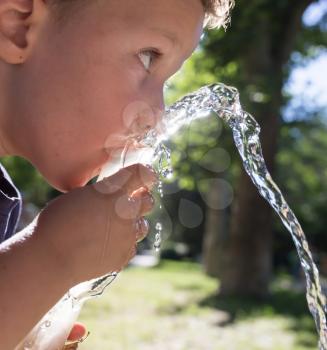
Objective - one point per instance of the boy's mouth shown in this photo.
(105, 160)
(132, 152)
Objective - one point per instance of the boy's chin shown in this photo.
(68, 183)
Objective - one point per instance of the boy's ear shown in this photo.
(19, 25)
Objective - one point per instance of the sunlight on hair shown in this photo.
(217, 13)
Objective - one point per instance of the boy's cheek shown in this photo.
(88, 113)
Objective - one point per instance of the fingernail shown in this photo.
(147, 202)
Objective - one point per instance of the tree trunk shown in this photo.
(216, 233)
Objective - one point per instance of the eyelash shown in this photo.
(156, 54)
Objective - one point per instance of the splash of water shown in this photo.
(224, 101)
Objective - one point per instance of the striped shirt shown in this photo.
(10, 205)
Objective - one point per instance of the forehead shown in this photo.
(161, 17)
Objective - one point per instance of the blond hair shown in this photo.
(217, 12)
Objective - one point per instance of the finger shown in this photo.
(145, 198)
(78, 332)
(128, 179)
(114, 183)
(131, 207)
(137, 176)
(145, 176)
(142, 229)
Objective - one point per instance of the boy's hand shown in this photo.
(93, 230)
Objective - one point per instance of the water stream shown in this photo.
(224, 101)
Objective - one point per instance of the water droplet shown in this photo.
(157, 244)
(158, 238)
(160, 189)
(46, 324)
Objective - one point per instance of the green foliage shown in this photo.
(302, 174)
(196, 72)
(28, 180)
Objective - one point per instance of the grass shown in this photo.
(174, 307)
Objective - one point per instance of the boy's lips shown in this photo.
(96, 169)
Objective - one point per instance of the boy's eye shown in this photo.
(148, 56)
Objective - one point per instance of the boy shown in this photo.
(77, 79)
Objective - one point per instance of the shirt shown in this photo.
(10, 205)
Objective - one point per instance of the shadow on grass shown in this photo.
(285, 303)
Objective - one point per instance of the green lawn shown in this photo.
(173, 307)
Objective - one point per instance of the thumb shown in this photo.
(130, 179)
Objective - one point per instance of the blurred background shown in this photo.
(228, 276)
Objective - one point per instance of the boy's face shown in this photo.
(85, 86)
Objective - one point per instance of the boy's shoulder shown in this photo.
(10, 205)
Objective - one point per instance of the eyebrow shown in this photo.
(169, 35)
